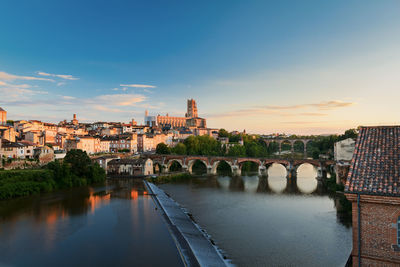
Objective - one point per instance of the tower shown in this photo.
(3, 116)
(191, 109)
(74, 120)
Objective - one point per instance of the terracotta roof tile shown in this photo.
(375, 166)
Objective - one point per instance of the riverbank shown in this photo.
(76, 170)
(195, 247)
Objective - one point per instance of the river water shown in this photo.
(269, 221)
(112, 225)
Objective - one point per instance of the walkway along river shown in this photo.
(268, 221)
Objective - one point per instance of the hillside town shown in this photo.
(29, 139)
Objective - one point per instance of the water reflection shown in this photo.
(250, 183)
(224, 182)
(258, 221)
(118, 217)
(276, 182)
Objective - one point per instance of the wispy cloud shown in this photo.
(62, 76)
(61, 83)
(4, 76)
(68, 97)
(119, 99)
(138, 85)
(324, 105)
(286, 111)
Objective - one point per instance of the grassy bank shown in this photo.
(76, 170)
(170, 178)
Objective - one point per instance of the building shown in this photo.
(150, 121)
(3, 117)
(191, 118)
(44, 154)
(130, 167)
(173, 122)
(373, 187)
(343, 153)
(7, 133)
(89, 144)
(74, 120)
(343, 150)
(191, 109)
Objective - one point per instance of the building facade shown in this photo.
(373, 187)
(3, 117)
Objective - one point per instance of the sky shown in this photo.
(295, 67)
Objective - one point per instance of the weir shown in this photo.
(195, 247)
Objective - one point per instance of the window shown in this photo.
(398, 231)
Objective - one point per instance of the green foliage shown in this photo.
(163, 149)
(254, 146)
(202, 145)
(223, 133)
(179, 149)
(76, 170)
(125, 150)
(18, 183)
(237, 151)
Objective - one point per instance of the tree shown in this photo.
(79, 162)
(179, 149)
(350, 133)
(223, 133)
(237, 151)
(163, 149)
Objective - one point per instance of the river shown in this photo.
(111, 225)
(269, 221)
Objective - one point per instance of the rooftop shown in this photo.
(375, 166)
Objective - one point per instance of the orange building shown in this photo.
(3, 116)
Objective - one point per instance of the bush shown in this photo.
(76, 170)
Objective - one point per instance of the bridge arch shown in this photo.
(157, 167)
(218, 163)
(279, 169)
(175, 165)
(249, 165)
(194, 162)
(299, 146)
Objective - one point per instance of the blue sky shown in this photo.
(264, 66)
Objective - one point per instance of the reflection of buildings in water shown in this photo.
(96, 200)
(250, 183)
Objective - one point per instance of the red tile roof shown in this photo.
(375, 166)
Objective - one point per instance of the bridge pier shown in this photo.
(236, 171)
(210, 170)
(164, 168)
(263, 171)
(186, 169)
(291, 171)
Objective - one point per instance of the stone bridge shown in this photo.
(236, 163)
(280, 141)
